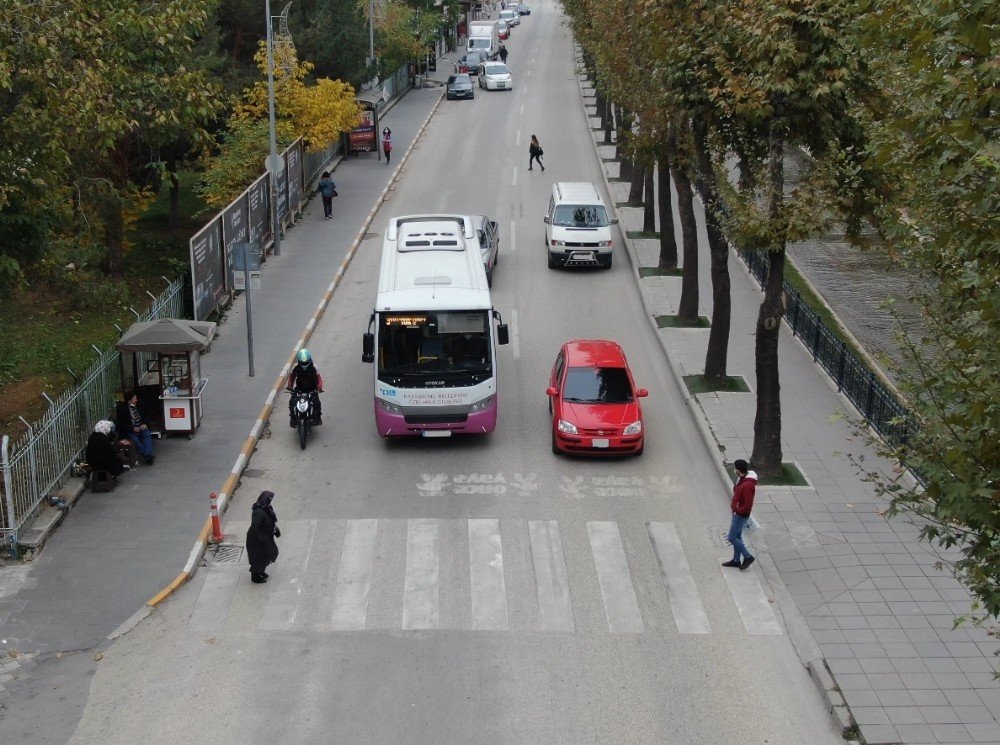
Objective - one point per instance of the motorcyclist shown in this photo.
(305, 378)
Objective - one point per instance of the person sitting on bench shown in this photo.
(101, 454)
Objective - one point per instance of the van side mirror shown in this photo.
(547, 220)
(368, 347)
(614, 221)
(503, 336)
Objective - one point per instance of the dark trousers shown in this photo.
(327, 206)
(534, 158)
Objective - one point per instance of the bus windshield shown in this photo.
(429, 343)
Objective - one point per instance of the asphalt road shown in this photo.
(480, 589)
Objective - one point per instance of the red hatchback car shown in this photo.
(594, 402)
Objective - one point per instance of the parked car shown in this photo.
(503, 30)
(459, 86)
(495, 76)
(594, 401)
(469, 62)
(488, 234)
(511, 16)
(523, 10)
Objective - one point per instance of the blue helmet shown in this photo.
(304, 356)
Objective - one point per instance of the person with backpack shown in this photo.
(327, 190)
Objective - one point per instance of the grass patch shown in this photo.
(655, 271)
(674, 322)
(790, 476)
(730, 384)
(642, 234)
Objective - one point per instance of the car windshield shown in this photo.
(597, 385)
(580, 216)
(496, 69)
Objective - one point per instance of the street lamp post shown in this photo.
(274, 159)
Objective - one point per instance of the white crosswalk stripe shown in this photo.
(420, 589)
(689, 614)
(555, 609)
(620, 604)
(489, 592)
(350, 601)
(424, 574)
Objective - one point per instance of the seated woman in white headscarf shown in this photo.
(101, 453)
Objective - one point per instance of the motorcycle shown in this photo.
(303, 414)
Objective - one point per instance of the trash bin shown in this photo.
(418, 81)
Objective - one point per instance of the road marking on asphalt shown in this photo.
(517, 138)
(215, 599)
(285, 587)
(515, 337)
(513, 235)
(350, 600)
(420, 586)
(514, 180)
(751, 602)
(620, 604)
(689, 614)
(555, 609)
(522, 109)
(489, 592)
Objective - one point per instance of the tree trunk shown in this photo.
(668, 240)
(114, 234)
(609, 121)
(718, 337)
(175, 195)
(624, 130)
(635, 188)
(688, 308)
(649, 211)
(766, 456)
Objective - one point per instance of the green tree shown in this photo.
(936, 137)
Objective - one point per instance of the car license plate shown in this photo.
(602, 443)
(501, 85)
(436, 433)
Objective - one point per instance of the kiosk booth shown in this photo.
(166, 369)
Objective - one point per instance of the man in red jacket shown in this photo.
(742, 504)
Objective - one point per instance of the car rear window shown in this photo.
(605, 385)
(580, 216)
(496, 69)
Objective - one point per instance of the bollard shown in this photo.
(217, 534)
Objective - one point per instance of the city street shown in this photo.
(476, 589)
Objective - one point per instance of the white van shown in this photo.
(577, 226)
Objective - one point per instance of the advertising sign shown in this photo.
(260, 211)
(362, 138)
(234, 227)
(208, 285)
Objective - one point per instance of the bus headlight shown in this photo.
(567, 428)
(481, 405)
(389, 407)
(633, 429)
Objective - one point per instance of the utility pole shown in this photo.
(274, 161)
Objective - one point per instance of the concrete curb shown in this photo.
(798, 630)
(232, 482)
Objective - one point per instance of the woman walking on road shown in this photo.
(327, 190)
(261, 546)
(535, 153)
(387, 143)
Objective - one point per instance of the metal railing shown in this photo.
(42, 458)
(877, 404)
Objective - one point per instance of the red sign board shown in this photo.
(362, 138)
(178, 412)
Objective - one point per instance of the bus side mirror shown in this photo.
(503, 337)
(368, 347)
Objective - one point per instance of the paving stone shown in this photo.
(896, 698)
(950, 733)
(879, 734)
(891, 636)
(860, 698)
(950, 680)
(934, 697)
(900, 649)
(860, 636)
(940, 715)
(875, 609)
(842, 666)
(904, 715)
(869, 650)
(853, 622)
(917, 681)
(876, 665)
(909, 665)
(974, 715)
(916, 734)
(869, 715)
(884, 681)
(960, 649)
(984, 732)
(851, 682)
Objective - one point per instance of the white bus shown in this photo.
(433, 334)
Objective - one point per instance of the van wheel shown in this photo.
(606, 264)
(553, 264)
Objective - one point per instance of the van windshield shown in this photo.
(479, 43)
(580, 216)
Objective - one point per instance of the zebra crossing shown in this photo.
(428, 574)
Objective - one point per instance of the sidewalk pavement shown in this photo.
(880, 611)
(115, 551)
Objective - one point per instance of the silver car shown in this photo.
(495, 76)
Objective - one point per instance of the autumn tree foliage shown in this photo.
(318, 112)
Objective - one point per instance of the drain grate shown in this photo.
(227, 553)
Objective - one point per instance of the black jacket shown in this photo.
(262, 549)
(123, 417)
(101, 454)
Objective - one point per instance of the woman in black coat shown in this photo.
(261, 546)
(101, 454)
